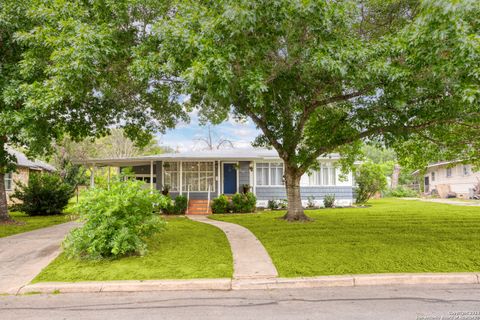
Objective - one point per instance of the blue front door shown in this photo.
(229, 178)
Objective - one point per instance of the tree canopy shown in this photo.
(321, 76)
(64, 68)
(315, 76)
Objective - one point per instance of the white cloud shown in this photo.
(244, 132)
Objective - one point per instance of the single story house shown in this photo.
(450, 177)
(22, 173)
(203, 175)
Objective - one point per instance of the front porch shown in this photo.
(204, 175)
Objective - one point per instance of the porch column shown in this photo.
(151, 175)
(218, 177)
(92, 176)
(181, 178)
(254, 182)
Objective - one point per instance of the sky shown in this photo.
(185, 136)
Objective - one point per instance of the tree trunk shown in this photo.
(292, 183)
(395, 176)
(4, 216)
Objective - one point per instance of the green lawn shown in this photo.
(186, 250)
(391, 236)
(31, 223)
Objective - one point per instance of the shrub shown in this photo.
(401, 192)
(311, 202)
(220, 204)
(283, 204)
(181, 204)
(273, 205)
(116, 221)
(329, 200)
(45, 194)
(168, 208)
(177, 206)
(244, 202)
(370, 180)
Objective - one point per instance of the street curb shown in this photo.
(225, 284)
(127, 286)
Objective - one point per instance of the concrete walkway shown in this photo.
(24, 255)
(448, 201)
(250, 259)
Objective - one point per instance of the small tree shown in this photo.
(370, 180)
(45, 194)
(116, 221)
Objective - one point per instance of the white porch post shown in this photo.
(254, 182)
(92, 176)
(218, 177)
(151, 175)
(181, 178)
(108, 178)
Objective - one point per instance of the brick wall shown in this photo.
(21, 175)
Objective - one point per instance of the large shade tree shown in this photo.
(315, 76)
(321, 76)
(64, 69)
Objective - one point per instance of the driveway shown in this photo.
(24, 255)
(448, 201)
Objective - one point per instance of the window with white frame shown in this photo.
(433, 175)
(326, 175)
(466, 170)
(171, 174)
(269, 174)
(449, 172)
(198, 176)
(263, 174)
(8, 181)
(276, 174)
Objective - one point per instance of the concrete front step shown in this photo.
(198, 207)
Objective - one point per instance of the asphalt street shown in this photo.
(459, 302)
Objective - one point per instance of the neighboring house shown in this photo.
(203, 175)
(450, 177)
(23, 170)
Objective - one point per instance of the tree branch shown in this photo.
(318, 103)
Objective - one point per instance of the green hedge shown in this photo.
(177, 206)
(240, 203)
(45, 194)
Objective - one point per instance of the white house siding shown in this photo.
(458, 182)
(342, 189)
(244, 174)
(343, 194)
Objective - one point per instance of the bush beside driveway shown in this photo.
(391, 236)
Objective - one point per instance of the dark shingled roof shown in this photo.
(23, 161)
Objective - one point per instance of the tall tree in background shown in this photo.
(321, 76)
(212, 142)
(64, 68)
(114, 145)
